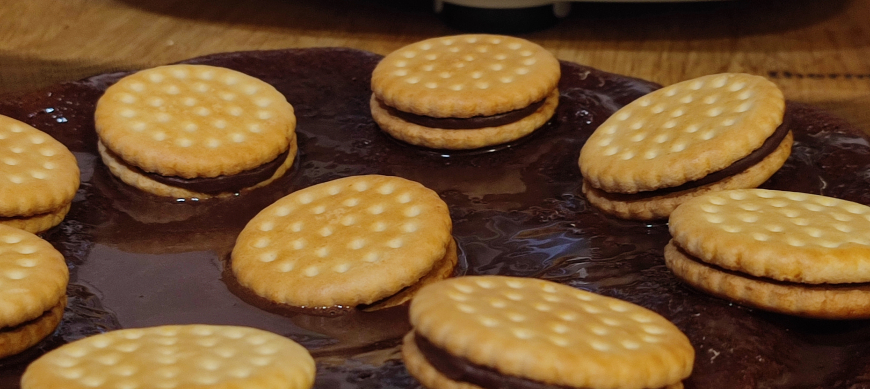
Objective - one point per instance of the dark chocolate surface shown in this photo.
(139, 260)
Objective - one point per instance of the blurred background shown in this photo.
(816, 51)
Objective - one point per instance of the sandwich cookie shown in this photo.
(360, 241)
(33, 280)
(195, 131)
(465, 91)
(39, 177)
(711, 133)
(505, 332)
(793, 253)
(175, 356)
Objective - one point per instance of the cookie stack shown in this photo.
(508, 332)
(39, 175)
(465, 91)
(195, 131)
(175, 356)
(711, 133)
(32, 289)
(787, 252)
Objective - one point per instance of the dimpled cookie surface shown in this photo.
(194, 121)
(186, 356)
(345, 242)
(38, 174)
(551, 333)
(465, 75)
(33, 276)
(781, 235)
(681, 133)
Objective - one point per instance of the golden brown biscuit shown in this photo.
(175, 356)
(33, 281)
(715, 132)
(788, 252)
(489, 331)
(465, 91)
(348, 242)
(195, 131)
(39, 177)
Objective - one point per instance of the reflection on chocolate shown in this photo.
(353, 329)
(472, 123)
(268, 305)
(517, 211)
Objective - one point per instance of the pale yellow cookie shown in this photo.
(175, 356)
(194, 122)
(784, 236)
(33, 276)
(547, 333)
(39, 177)
(465, 75)
(430, 377)
(347, 242)
(33, 281)
(824, 301)
(681, 133)
(465, 91)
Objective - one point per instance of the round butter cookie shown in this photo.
(39, 176)
(175, 356)
(344, 243)
(465, 91)
(716, 132)
(498, 332)
(794, 253)
(33, 281)
(195, 131)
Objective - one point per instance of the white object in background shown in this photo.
(561, 9)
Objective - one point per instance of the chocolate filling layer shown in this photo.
(461, 370)
(221, 184)
(756, 156)
(818, 287)
(472, 123)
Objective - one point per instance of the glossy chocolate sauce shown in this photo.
(140, 260)
(472, 123)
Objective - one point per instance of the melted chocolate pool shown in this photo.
(139, 260)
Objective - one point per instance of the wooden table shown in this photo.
(817, 51)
